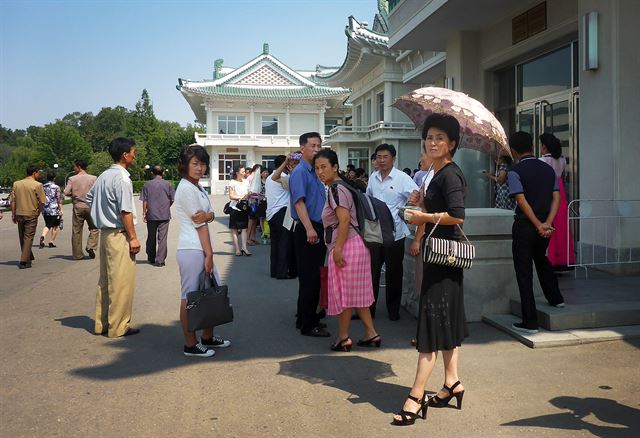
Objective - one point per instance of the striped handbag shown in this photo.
(449, 252)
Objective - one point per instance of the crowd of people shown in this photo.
(307, 207)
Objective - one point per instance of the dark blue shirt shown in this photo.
(536, 180)
(304, 184)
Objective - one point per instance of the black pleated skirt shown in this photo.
(238, 219)
(441, 321)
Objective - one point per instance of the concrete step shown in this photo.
(546, 339)
(586, 315)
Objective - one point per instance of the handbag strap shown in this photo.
(436, 225)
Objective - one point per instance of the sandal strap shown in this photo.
(452, 387)
(415, 399)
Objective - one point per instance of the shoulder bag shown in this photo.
(208, 307)
(447, 252)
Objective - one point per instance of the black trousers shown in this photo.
(283, 262)
(528, 246)
(157, 240)
(309, 259)
(392, 257)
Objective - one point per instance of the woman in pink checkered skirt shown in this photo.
(349, 261)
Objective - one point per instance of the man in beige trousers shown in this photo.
(27, 201)
(77, 187)
(113, 212)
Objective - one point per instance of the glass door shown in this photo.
(555, 114)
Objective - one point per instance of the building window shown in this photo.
(231, 124)
(268, 162)
(380, 105)
(546, 74)
(368, 113)
(226, 163)
(269, 125)
(359, 115)
(329, 124)
(359, 157)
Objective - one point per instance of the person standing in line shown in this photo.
(27, 202)
(393, 187)
(114, 214)
(195, 252)
(307, 201)
(349, 265)
(282, 258)
(502, 198)
(441, 320)
(374, 163)
(560, 251)
(52, 212)
(77, 187)
(157, 197)
(534, 186)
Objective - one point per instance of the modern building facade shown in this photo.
(567, 67)
(371, 72)
(257, 111)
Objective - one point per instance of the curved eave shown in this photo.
(266, 94)
(364, 50)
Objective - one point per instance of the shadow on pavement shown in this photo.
(10, 263)
(63, 257)
(622, 420)
(78, 322)
(353, 374)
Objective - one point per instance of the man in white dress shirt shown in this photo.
(393, 187)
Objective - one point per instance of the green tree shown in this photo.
(100, 161)
(15, 167)
(59, 143)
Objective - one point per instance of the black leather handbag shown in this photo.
(209, 306)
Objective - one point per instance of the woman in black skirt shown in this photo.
(239, 215)
(441, 320)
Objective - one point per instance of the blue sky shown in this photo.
(57, 57)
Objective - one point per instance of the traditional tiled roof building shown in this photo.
(371, 71)
(257, 111)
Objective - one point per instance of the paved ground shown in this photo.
(57, 379)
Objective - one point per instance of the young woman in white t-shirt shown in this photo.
(195, 252)
(239, 216)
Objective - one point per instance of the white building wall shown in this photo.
(301, 123)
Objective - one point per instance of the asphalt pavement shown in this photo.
(58, 379)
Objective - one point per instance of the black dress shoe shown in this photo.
(394, 317)
(316, 332)
(92, 253)
(131, 332)
(24, 265)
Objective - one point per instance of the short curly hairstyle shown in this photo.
(446, 123)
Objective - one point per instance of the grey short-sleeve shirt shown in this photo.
(110, 196)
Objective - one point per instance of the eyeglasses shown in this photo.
(383, 157)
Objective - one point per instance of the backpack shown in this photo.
(375, 222)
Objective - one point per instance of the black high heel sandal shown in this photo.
(437, 402)
(376, 340)
(342, 346)
(408, 418)
(245, 253)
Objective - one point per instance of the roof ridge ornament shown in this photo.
(217, 66)
(265, 48)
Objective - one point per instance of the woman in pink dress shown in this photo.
(349, 262)
(560, 252)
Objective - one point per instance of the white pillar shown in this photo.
(287, 120)
(388, 99)
(251, 121)
(321, 119)
(208, 106)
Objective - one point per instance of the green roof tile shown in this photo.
(266, 93)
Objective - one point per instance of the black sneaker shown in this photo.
(198, 350)
(521, 328)
(92, 253)
(216, 342)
